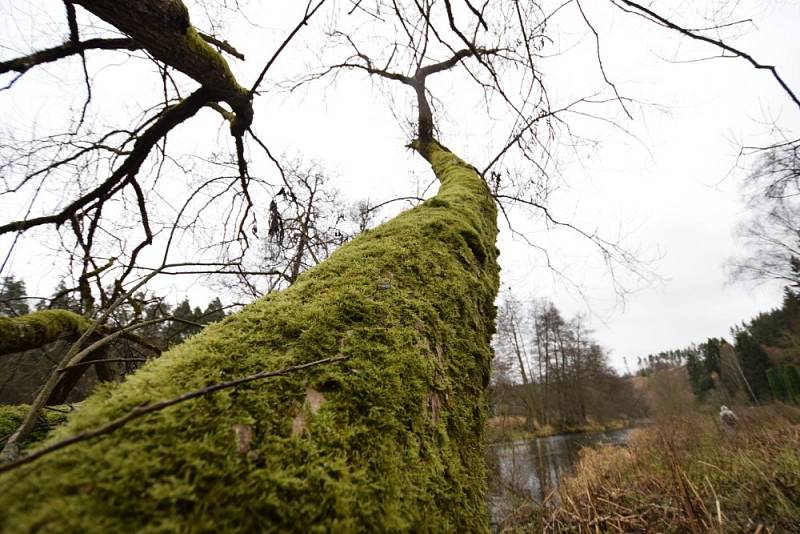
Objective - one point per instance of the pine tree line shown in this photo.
(761, 365)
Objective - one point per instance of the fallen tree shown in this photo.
(387, 436)
(36, 330)
(33, 330)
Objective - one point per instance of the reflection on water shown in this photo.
(534, 468)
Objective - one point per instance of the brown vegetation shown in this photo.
(515, 427)
(685, 475)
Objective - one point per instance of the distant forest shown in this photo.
(762, 363)
(550, 371)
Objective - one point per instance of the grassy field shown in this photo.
(683, 475)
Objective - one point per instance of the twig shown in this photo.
(144, 409)
(600, 60)
(715, 42)
(22, 64)
(306, 17)
(104, 360)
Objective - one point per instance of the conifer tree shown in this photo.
(755, 364)
(12, 293)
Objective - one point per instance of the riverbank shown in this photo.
(685, 475)
(514, 428)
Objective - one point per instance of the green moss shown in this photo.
(11, 416)
(199, 46)
(436, 203)
(39, 328)
(396, 445)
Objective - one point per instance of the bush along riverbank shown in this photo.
(515, 428)
(682, 475)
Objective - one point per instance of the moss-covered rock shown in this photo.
(389, 440)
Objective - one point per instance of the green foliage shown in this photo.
(710, 351)
(778, 329)
(784, 383)
(175, 332)
(62, 300)
(396, 446)
(12, 303)
(699, 377)
(791, 378)
(663, 360)
(214, 312)
(189, 321)
(770, 328)
(777, 386)
(704, 367)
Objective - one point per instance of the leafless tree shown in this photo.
(97, 187)
(307, 221)
(491, 53)
(567, 376)
(771, 231)
(116, 186)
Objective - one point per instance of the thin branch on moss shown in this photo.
(104, 360)
(410, 199)
(142, 410)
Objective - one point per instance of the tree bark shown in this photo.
(388, 440)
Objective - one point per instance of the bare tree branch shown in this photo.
(25, 63)
(652, 15)
(170, 118)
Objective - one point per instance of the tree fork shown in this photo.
(163, 28)
(387, 439)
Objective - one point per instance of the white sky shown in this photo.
(670, 191)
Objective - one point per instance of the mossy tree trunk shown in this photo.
(35, 330)
(387, 440)
(31, 331)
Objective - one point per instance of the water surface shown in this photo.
(533, 468)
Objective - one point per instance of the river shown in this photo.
(533, 468)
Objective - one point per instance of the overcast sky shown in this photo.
(664, 184)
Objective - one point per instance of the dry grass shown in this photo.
(685, 475)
